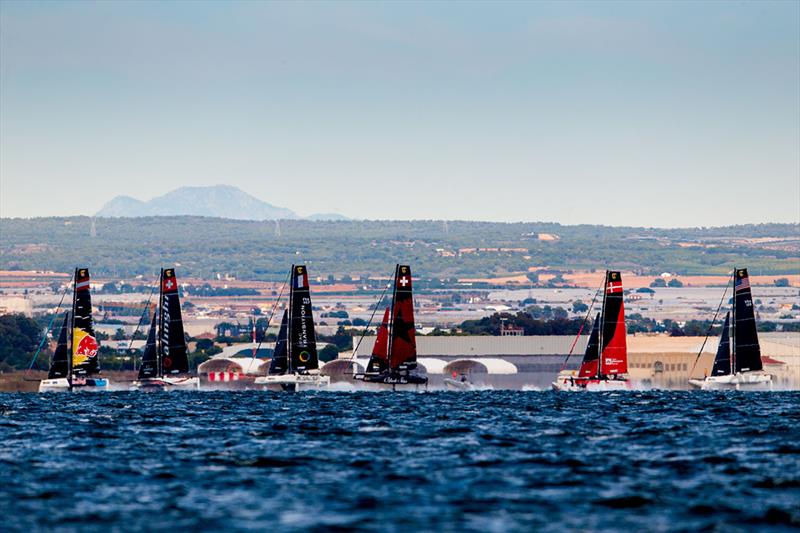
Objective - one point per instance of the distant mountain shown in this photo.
(222, 201)
(327, 216)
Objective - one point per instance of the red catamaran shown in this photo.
(605, 363)
(394, 356)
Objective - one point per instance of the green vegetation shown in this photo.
(19, 338)
(204, 247)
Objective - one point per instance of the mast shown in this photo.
(290, 323)
(733, 325)
(160, 331)
(389, 346)
(602, 326)
(71, 331)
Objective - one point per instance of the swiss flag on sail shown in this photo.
(168, 281)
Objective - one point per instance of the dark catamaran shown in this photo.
(295, 362)
(165, 363)
(605, 362)
(737, 364)
(394, 355)
(75, 364)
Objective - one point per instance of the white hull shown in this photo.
(63, 385)
(167, 383)
(570, 382)
(753, 381)
(294, 381)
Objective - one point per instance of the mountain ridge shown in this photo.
(217, 201)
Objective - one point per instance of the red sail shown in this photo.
(382, 340)
(379, 362)
(402, 343)
(614, 354)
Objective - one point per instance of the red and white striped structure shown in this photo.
(224, 376)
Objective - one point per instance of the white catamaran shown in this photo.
(165, 365)
(605, 363)
(295, 362)
(739, 368)
(75, 363)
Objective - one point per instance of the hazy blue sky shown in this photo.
(634, 113)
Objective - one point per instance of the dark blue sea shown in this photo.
(449, 461)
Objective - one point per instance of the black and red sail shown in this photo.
(614, 348)
(379, 360)
(302, 339)
(84, 342)
(402, 341)
(591, 358)
(172, 340)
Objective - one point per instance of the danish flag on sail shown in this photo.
(614, 350)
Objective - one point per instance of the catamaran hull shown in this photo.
(76, 385)
(293, 382)
(591, 385)
(167, 383)
(392, 380)
(751, 381)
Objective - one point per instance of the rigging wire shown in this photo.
(711, 326)
(366, 328)
(269, 320)
(585, 318)
(146, 307)
(50, 325)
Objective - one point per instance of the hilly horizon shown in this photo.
(218, 201)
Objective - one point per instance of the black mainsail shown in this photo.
(84, 342)
(302, 339)
(746, 349)
(59, 364)
(165, 350)
(172, 340)
(722, 361)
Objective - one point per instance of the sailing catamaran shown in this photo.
(165, 364)
(295, 363)
(75, 360)
(740, 368)
(394, 355)
(605, 362)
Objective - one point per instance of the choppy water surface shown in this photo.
(483, 461)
